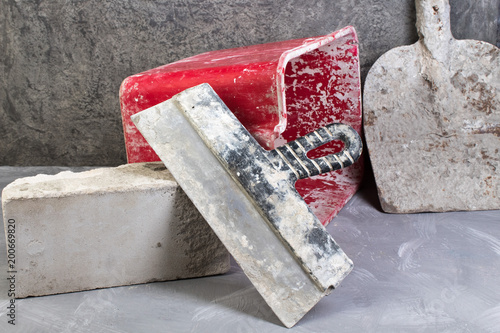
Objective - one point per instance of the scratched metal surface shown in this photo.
(435, 272)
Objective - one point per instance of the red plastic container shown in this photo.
(279, 91)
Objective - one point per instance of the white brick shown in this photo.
(107, 227)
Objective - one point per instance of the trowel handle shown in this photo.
(294, 153)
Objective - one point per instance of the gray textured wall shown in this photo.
(62, 61)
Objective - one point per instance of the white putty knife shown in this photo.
(247, 195)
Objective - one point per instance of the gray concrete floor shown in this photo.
(413, 273)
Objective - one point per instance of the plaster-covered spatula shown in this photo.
(247, 195)
(432, 120)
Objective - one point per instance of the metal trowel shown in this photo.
(247, 195)
(432, 120)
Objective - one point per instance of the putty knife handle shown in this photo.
(294, 153)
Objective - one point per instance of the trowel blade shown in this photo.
(273, 268)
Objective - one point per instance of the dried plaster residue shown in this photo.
(101, 180)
